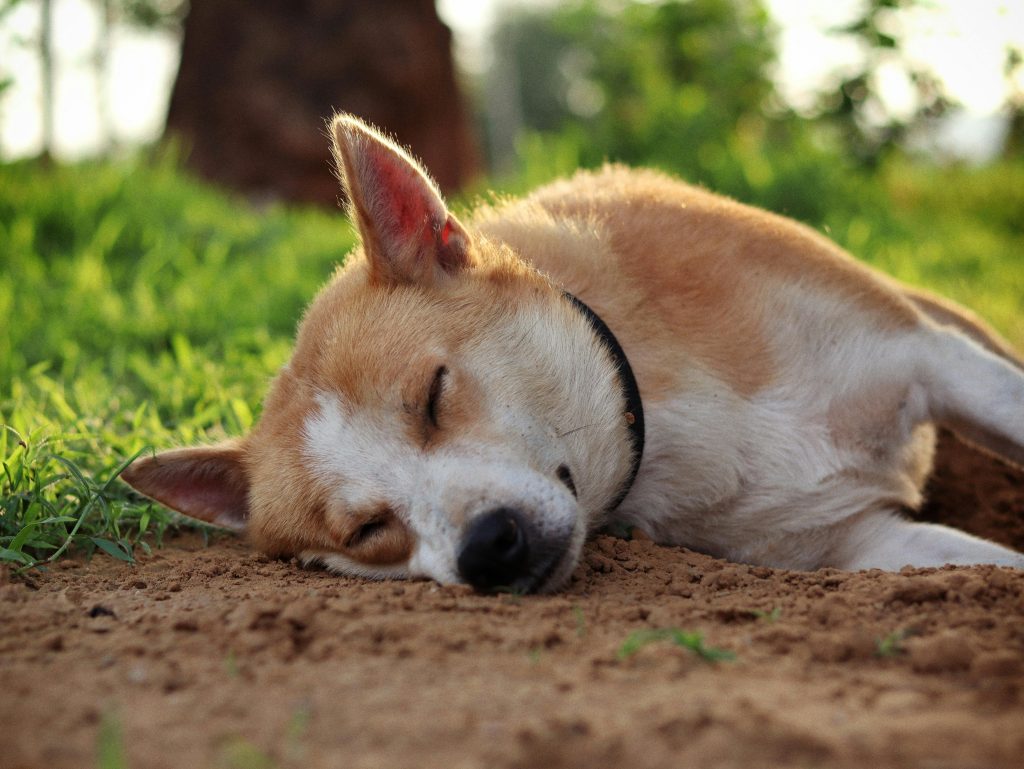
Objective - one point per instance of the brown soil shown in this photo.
(217, 657)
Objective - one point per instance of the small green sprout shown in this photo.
(892, 644)
(298, 725)
(239, 753)
(581, 621)
(110, 744)
(770, 617)
(231, 664)
(692, 641)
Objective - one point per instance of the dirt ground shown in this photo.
(218, 657)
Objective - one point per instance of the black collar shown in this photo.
(634, 410)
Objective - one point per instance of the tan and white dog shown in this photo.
(451, 411)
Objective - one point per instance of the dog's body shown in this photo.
(449, 413)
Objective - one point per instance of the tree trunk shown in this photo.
(101, 73)
(258, 80)
(46, 56)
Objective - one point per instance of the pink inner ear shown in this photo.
(405, 228)
(405, 197)
(217, 502)
(206, 483)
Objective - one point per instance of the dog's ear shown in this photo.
(207, 483)
(408, 234)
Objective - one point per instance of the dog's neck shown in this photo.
(633, 412)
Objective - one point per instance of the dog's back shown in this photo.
(787, 395)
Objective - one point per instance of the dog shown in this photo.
(467, 401)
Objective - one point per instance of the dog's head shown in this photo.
(446, 412)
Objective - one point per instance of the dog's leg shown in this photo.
(975, 392)
(956, 369)
(885, 540)
(946, 313)
(973, 383)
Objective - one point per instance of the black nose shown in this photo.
(495, 550)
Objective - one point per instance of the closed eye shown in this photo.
(366, 532)
(434, 395)
(379, 539)
(565, 476)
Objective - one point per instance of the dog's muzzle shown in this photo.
(502, 550)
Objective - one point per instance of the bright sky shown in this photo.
(962, 41)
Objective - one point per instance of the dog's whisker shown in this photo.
(577, 429)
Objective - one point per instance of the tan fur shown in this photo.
(946, 313)
(675, 288)
(442, 377)
(363, 340)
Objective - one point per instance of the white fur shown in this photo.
(764, 480)
(356, 454)
(549, 398)
(790, 394)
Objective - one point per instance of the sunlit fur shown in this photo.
(790, 392)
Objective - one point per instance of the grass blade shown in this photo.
(112, 549)
(694, 642)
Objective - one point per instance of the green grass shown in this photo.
(693, 642)
(769, 617)
(892, 644)
(110, 744)
(957, 231)
(240, 753)
(581, 621)
(142, 310)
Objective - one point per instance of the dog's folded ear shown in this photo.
(208, 483)
(407, 232)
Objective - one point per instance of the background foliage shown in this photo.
(143, 309)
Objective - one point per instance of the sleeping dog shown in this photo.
(469, 398)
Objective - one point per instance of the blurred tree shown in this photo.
(653, 82)
(684, 85)
(6, 75)
(147, 14)
(257, 81)
(856, 108)
(1014, 71)
(101, 74)
(46, 75)
(43, 45)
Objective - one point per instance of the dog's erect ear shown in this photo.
(408, 234)
(206, 483)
